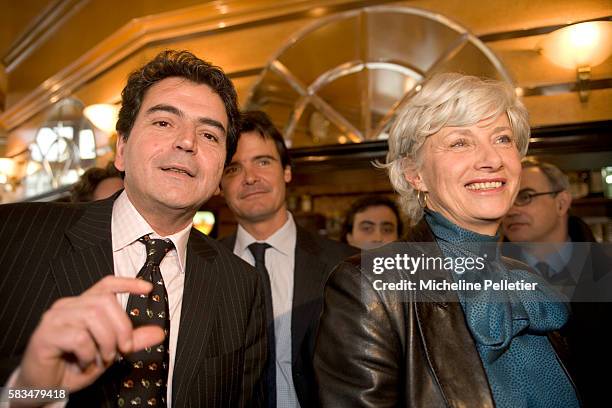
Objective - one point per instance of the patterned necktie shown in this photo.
(146, 371)
(258, 249)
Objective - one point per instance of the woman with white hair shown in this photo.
(454, 158)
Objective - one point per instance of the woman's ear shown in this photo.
(413, 177)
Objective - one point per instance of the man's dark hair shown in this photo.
(83, 190)
(258, 121)
(363, 204)
(182, 64)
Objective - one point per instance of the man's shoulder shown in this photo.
(222, 249)
(323, 245)
(228, 241)
(17, 215)
(36, 207)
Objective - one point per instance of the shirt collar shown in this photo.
(556, 260)
(283, 240)
(127, 226)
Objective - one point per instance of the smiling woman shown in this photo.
(454, 158)
(477, 124)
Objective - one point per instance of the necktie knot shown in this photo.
(156, 249)
(258, 249)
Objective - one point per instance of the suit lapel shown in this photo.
(88, 254)
(85, 258)
(307, 288)
(198, 313)
(229, 242)
(464, 382)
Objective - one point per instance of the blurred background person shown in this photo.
(540, 216)
(454, 158)
(541, 210)
(96, 184)
(372, 221)
(556, 244)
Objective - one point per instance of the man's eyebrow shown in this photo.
(212, 122)
(165, 108)
(264, 156)
(232, 164)
(175, 111)
(366, 222)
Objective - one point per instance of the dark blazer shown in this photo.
(591, 310)
(315, 257)
(395, 348)
(52, 250)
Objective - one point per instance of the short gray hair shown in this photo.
(448, 99)
(557, 180)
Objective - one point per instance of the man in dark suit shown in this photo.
(295, 262)
(563, 250)
(195, 332)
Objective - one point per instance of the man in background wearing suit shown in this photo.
(294, 261)
(561, 248)
(195, 332)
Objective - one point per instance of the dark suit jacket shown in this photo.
(315, 257)
(52, 250)
(591, 310)
(396, 348)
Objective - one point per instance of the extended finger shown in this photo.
(117, 284)
(147, 336)
(99, 313)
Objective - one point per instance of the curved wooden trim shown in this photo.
(198, 20)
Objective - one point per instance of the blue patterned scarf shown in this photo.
(509, 327)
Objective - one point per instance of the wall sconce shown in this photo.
(7, 173)
(103, 116)
(580, 47)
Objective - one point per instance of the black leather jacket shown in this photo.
(384, 349)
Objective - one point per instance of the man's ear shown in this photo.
(563, 202)
(220, 188)
(349, 239)
(119, 154)
(287, 174)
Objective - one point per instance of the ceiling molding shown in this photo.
(205, 19)
(529, 32)
(39, 30)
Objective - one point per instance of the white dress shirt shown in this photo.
(280, 262)
(129, 255)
